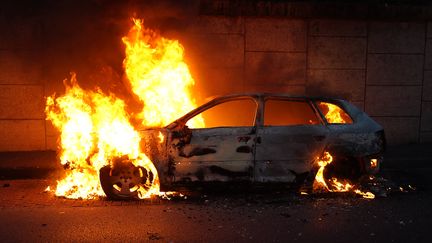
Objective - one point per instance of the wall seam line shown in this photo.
(422, 82)
(366, 65)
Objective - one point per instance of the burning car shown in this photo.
(258, 138)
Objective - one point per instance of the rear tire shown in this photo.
(345, 168)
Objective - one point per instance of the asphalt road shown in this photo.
(29, 214)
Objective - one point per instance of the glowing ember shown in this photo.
(373, 163)
(158, 76)
(334, 114)
(333, 184)
(161, 137)
(320, 182)
(368, 195)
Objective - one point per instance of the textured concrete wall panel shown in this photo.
(385, 69)
(393, 100)
(270, 88)
(426, 118)
(275, 68)
(218, 81)
(271, 34)
(429, 30)
(396, 37)
(347, 84)
(427, 86)
(21, 102)
(428, 54)
(400, 130)
(21, 32)
(52, 135)
(337, 52)
(215, 50)
(22, 135)
(217, 25)
(55, 87)
(51, 143)
(426, 137)
(20, 67)
(337, 28)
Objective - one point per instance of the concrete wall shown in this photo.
(22, 119)
(384, 67)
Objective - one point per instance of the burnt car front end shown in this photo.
(154, 144)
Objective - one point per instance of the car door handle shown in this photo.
(319, 138)
(257, 140)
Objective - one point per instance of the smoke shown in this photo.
(84, 36)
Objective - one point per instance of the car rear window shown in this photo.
(279, 112)
(334, 114)
(234, 113)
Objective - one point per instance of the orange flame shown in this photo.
(161, 137)
(320, 182)
(94, 129)
(334, 114)
(158, 76)
(333, 184)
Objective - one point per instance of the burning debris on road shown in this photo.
(333, 184)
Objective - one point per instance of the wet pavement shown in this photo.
(27, 213)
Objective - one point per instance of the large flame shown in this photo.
(94, 129)
(334, 114)
(94, 126)
(333, 184)
(158, 76)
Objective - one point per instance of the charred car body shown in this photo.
(261, 138)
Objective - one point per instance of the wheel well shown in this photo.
(345, 167)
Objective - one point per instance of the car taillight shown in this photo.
(373, 163)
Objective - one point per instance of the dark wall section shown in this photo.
(376, 54)
(343, 9)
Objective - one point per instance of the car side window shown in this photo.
(234, 113)
(334, 114)
(280, 112)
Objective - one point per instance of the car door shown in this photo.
(222, 150)
(292, 135)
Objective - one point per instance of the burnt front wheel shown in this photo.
(122, 181)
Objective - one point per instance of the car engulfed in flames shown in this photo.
(325, 144)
